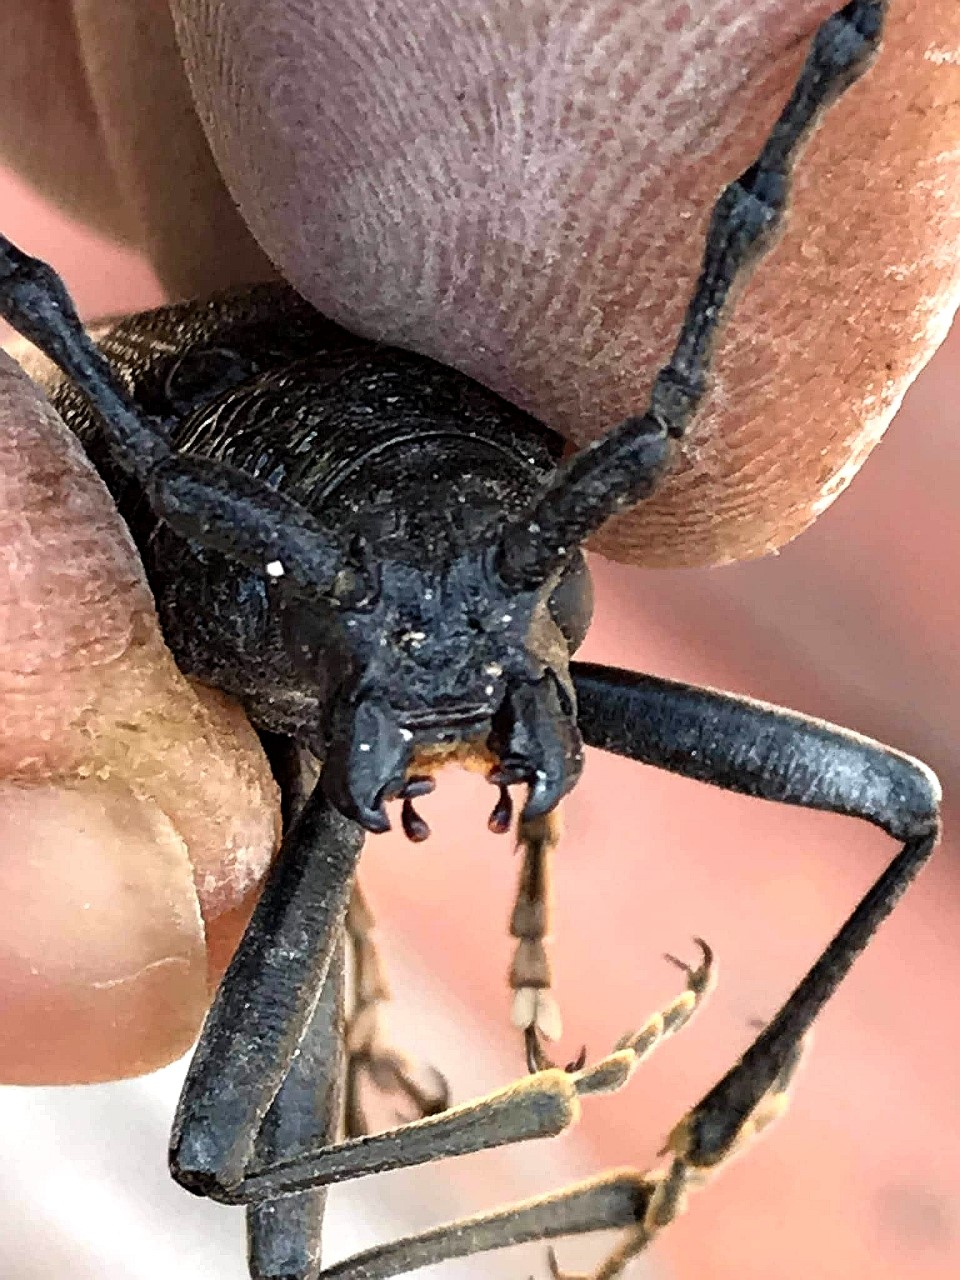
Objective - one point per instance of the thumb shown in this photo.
(136, 811)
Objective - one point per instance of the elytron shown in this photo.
(272, 469)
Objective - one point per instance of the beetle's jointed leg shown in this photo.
(369, 1054)
(266, 1000)
(642, 1203)
(538, 1105)
(535, 1011)
(773, 754)
(284, 1236)
(671, 1185)
(777, 755)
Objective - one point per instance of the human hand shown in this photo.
(538, 358)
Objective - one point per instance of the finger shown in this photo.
(525, 197)
(559, 276)
(134, 808)
(189, 224)
(49, 124)
(109, 132)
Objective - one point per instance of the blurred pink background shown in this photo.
(856, 622)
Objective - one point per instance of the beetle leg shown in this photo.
(773, 754)
(368, 1053)
(613, 1200)
(266, 999)
(284, 1235)
(779, 755)
(642, 1203)
(286, 1168)
(535, 1010)
(538, 1105)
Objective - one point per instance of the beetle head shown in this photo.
(440, 665)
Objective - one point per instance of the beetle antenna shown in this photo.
(616, 472)
(207, 502)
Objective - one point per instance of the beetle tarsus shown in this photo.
(578, 1063)
(535, 1011)
(538, 1059)
(701, 976)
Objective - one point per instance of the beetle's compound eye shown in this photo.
(571, 602)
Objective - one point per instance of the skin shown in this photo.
(486, 285)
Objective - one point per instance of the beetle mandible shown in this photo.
(272, 467)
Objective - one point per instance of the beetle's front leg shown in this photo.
(284, 1236)
(773, 754)
(265, 1001)
(535, 1010)
(256, 1118)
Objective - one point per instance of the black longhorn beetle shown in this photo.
(276, 473)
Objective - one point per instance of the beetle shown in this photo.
(272, 468)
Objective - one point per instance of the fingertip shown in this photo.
(135, 805)
(103, 967)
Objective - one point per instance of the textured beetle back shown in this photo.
(262, 381)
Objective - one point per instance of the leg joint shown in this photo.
(849, 38)
(915, 802)
(207, 1183)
